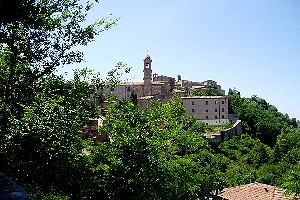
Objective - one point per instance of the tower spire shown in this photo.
(147, 76)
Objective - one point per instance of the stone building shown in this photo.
(209, 109)
(158, 87)
(212, 110)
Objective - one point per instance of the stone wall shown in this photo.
(227, 134)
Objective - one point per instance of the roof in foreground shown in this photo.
(255, 191)
(205, 97)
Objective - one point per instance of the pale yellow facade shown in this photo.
(212, 110)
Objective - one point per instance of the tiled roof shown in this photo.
(255, 191)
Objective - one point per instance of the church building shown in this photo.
(209, 109)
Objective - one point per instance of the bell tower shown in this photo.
(147, 76)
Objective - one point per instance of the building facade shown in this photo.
(212, 110)
(160, 87)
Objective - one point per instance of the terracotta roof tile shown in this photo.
(255, 191)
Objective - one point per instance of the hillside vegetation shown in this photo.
(152, 154)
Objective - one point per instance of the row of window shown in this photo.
(216, 110)
(206, 102)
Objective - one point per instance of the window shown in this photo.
(222, 116)
(216, 109)
(223, 110)
(223, 102)
(206, 117)
(112, 89)
(216, 102)
(193, 103)
(206, 110)
(206, 102)
(216, 117)
(128, 89)
(193, 110)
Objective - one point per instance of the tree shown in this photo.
(288, 146)
(291, 180)
(245, 156)
(47, 138)
(42, 35)
(155, 154)
(209, 91)
(246, 149)
(273, 173)
(259, 118)
(43, 146)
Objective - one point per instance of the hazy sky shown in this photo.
(253, 45)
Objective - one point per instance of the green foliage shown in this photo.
(209, 91)
(273, 173)
(239, 173)
(245, 156)
(152, 154)
(246, 149)
(38, 194)
(259, 118)
(288, 145)
(46, 139)
(218, 129)
(292, 180)
(155, 155)
(41, 37)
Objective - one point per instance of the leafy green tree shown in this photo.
(209, 91)
(291, 181)
(245, 156)
(246, 149)
(154, 154)
(259, 118)
(272, 173)
(43, 36)
(287, 146)
(239, 173)
(46, 140)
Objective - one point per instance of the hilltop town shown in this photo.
(163, 138)
(212, 110)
